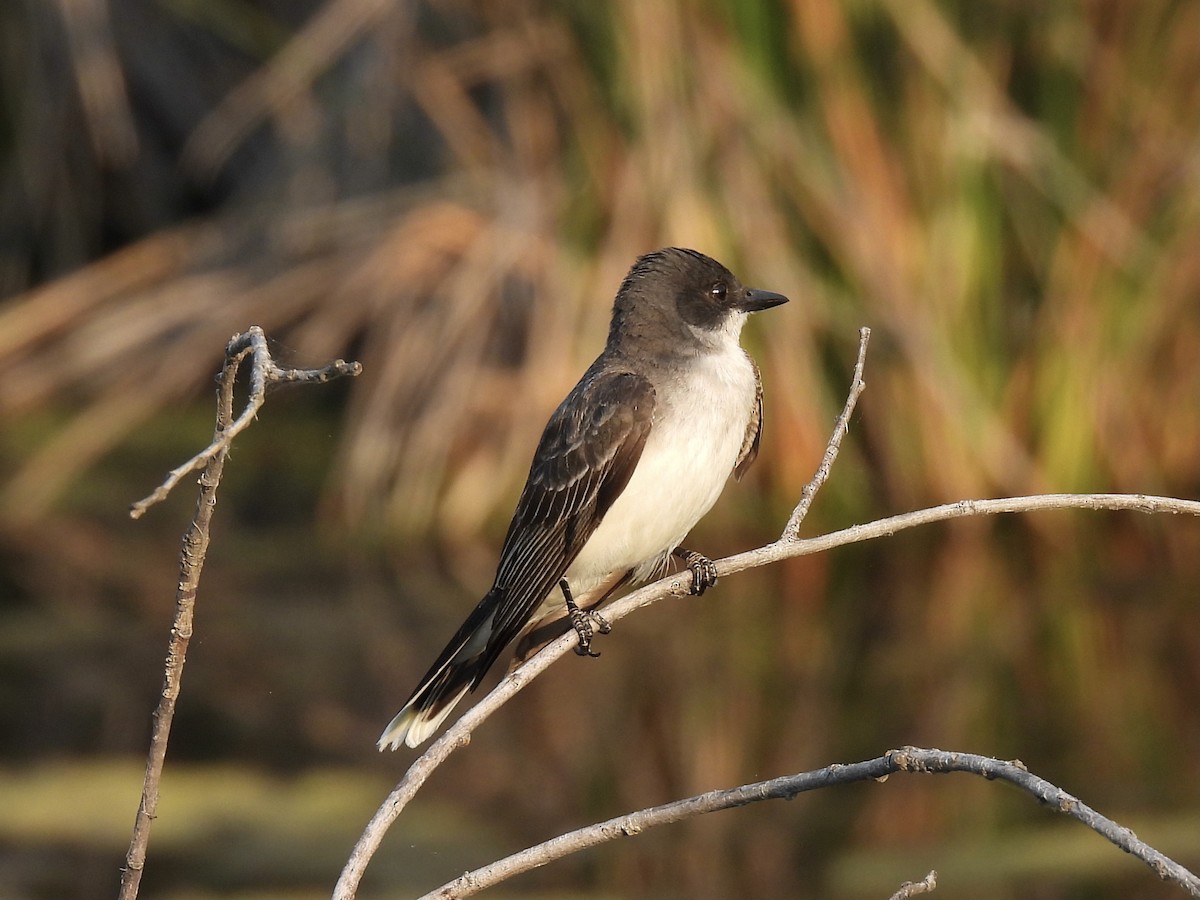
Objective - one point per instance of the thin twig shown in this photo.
(191, 562)
(792, 530)
(907, 759)
(263, 372)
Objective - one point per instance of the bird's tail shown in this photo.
(428, 708)
(458, 669)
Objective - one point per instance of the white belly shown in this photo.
(698, 430)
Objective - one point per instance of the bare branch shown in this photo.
(938, 762)
(907, 759)
(785, 549)
(911, 888)
(788, 545)
(191, 563)
(263, 372)
(792, 530)
(784, 788)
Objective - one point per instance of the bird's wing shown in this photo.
(749, 451)
(585, 458)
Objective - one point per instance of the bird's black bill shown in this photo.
(760, 300)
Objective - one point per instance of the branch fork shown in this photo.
(264, 372)
(907, 759)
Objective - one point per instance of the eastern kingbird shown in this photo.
(630, 461)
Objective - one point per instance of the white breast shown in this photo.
(699, 426)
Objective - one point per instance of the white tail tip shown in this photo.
(413, 728)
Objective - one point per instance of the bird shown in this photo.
(637, 453)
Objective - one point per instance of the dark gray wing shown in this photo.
(584, 460)
(749, 451)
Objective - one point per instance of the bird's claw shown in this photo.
(703, 569)
(586, 622)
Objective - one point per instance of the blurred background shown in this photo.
(1008, 193)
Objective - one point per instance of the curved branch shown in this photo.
(459, 734)
(906, 759)
(787, 546)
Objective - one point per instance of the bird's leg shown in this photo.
(704, 572)
(581, 621)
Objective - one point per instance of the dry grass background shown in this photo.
(449, 191)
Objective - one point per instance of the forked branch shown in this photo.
(787, 546)
(906, 759)
(262, 374)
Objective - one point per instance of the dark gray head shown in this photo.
(676, 299)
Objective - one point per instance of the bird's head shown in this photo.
(683, 301)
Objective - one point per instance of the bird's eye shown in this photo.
(718, 291)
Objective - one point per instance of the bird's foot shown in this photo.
(704, 571)
(586, 622)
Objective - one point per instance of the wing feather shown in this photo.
(584, 460)
(749, 451)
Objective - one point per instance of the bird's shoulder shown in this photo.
(604, 420)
